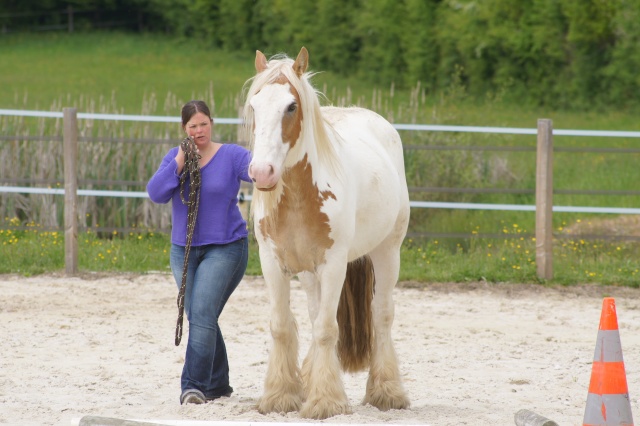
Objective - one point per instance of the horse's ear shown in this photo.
(261, 61)
(302, 61)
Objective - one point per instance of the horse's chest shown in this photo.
(298, 227)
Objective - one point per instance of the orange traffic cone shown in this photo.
(608, 399)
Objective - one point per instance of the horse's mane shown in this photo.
(313, 124)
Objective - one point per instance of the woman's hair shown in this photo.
(191, 108)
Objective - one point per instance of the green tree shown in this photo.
(621, 73)
(235, 28)
(296, 29)
(419, 37)
(546, 75)
(382, 58)
(172, 16)
(333, 40)
(591, 39)
(271, 19)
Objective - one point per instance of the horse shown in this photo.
(331, 206)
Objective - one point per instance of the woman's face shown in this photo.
(199, 127)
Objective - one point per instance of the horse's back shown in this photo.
(367, 139)
(355, 124)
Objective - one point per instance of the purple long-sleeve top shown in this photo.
(219, 220)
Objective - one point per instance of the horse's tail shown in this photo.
(354, 316)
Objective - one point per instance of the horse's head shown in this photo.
(275, 114)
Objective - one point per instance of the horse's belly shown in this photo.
(371, 228)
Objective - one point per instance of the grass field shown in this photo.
(155, 75)
(39, 70)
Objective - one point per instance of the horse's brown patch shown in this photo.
(297, 226)
(291, 121)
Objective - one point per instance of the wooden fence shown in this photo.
(543, 192)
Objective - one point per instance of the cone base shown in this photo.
(605, 410)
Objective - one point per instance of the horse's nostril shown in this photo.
(253, 179)
(270, 170)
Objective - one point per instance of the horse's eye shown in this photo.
(292, 107)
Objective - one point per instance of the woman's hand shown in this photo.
(180, 160)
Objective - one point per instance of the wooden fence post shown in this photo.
(70, 124)
(544, 200)
(70, 18)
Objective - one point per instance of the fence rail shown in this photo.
(544, 186)
(413, 127)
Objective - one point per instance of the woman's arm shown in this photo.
(242, 164)
(166, 179)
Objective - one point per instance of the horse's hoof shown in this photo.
(322, 409)
(279, 403)
(385, 402)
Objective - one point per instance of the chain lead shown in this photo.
(192, 172)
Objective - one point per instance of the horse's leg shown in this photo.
(311, 285)
(324, 390)
(282, 386)
(384, 388)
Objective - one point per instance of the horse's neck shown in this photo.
(304, 149)
(317, 144)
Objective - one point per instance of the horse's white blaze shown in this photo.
(270, 150)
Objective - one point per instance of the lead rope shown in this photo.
(192, 171)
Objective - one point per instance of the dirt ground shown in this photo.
(471, 354)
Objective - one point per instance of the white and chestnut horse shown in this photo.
(331, 206)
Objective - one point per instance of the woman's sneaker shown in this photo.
(192, 396)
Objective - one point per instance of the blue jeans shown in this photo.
(213, 273)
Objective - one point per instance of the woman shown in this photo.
(218, 255)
